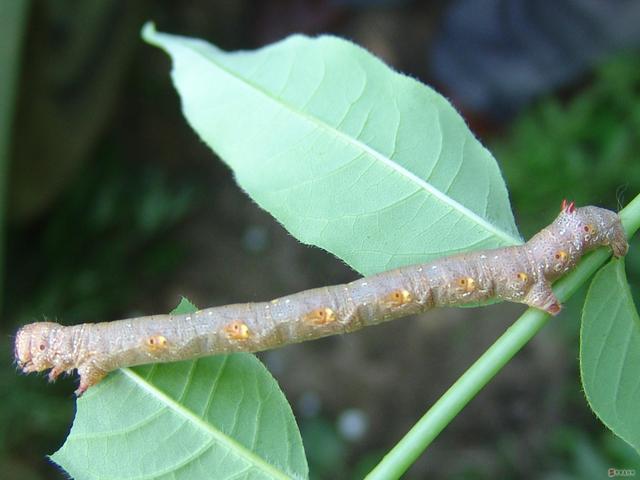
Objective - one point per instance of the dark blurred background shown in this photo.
(111, 207)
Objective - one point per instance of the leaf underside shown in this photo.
(347, 154)
(219, 417)
(610, 352)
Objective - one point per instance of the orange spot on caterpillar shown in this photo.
(320, 316)
(398, 297)
(237, 330)
(468, 284)
(156, 343)
(561, 255)
(561, 259)
(589, 230)
(523, 277)
(554, 309)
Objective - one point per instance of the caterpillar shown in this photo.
(521, 274)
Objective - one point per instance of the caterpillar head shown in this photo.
(38, 346)
(594, 227)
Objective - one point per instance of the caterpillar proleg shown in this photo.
(520, 274)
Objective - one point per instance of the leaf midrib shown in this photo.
(149, 29)
(234, 446)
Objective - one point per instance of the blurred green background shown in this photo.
(111, 207)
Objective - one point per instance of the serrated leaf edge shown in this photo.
(258, 462)
(626, 292)
(250, 456)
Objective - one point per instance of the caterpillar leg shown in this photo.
(54, 373)
(89, 375)
(541, 297)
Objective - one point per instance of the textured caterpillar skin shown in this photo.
(519, 274)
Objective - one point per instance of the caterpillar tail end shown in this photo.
(620, 246)
(553, 309)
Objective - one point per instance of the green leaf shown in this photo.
(184, 306)
(610, 352)
(349, 155)
(218, 417)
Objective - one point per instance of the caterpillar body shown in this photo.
(519, 274)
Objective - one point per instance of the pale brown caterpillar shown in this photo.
(519, 274)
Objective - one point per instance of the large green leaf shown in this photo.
(349, 155)
(220, 417)
(610, 352)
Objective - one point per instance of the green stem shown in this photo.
(407, 450)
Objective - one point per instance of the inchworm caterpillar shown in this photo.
(519, 274)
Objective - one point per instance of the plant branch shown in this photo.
(409, 448)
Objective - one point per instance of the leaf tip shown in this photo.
(148, 32)
(185, 306)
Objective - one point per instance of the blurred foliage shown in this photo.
(585, 147)
(103, 242)
(576, 455)
(329, 452)
(324, 447)
(110, 219)
(76, 60)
